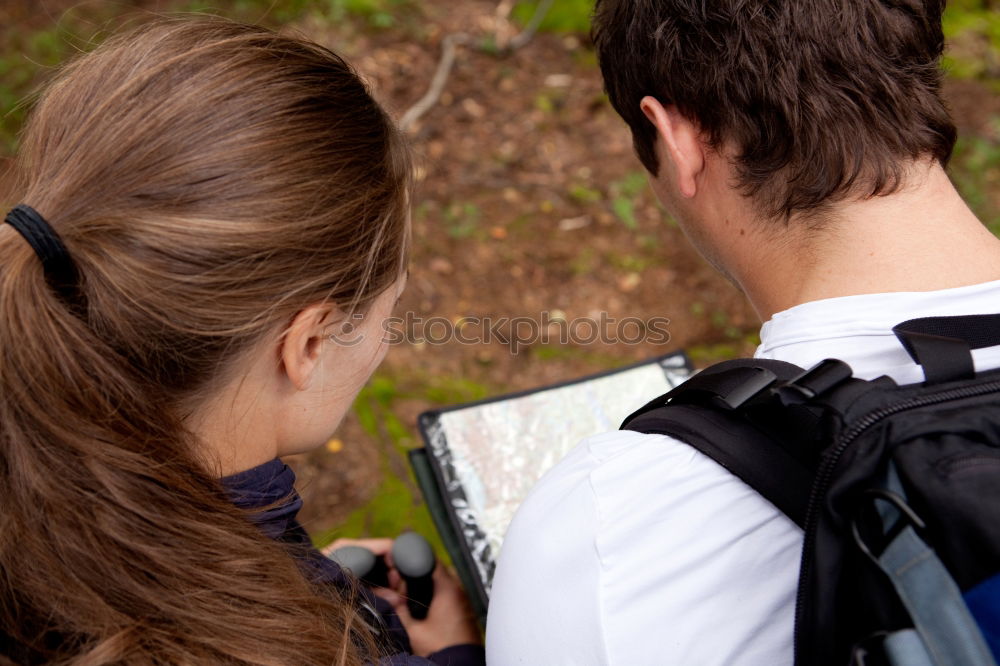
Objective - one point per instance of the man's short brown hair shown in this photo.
(821, 99)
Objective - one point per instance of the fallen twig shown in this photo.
(449, 50)
(529, 31)
(449, 46)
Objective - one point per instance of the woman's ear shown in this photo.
(302, 346)
(681, 143)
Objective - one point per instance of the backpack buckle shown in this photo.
(815, 381)
(756, 381)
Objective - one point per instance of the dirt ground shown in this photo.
(530, 200)
(519, 167)
(529, 141)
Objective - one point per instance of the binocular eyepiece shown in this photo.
(412, 557)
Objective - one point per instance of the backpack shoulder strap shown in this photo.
(705, 413)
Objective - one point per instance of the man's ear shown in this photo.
(301, 347)
(681, 143)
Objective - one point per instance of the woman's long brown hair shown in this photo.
(209, 179)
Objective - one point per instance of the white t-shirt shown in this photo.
(638, 549)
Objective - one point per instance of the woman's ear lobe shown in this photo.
(681, 143)
(302, 345)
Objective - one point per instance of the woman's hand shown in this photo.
(381, 547)
(449, 621)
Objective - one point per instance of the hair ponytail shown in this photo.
(192, 169)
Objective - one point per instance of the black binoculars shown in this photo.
(412, 557)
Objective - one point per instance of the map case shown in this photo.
(481, 459)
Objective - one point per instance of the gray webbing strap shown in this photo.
(904, 648)
(934, 602)
(947, 629)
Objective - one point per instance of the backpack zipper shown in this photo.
(824, 476)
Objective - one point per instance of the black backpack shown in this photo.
(896, 487)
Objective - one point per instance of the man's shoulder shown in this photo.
(618, 450)
(612, 487)
(628, 516)
(586, 474)
(626, 464)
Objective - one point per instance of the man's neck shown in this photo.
(922, 238)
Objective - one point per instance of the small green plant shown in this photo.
(583, 194)
(648, 242)
(462, 219)
(624, 193)
(545, 103)
(488, 44)
(625, 210)
(631, 263)
(721, 320)
(380, 14)
(585, 262)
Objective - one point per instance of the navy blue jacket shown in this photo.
(272, 484)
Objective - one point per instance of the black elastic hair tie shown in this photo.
(60, 270)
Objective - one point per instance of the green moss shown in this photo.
(391, 511)
(445, 390)
(27, 56)
(975, 170)
(712, 353)
(565, 16)
(557, 352)
(972, 29)
(396, 505)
